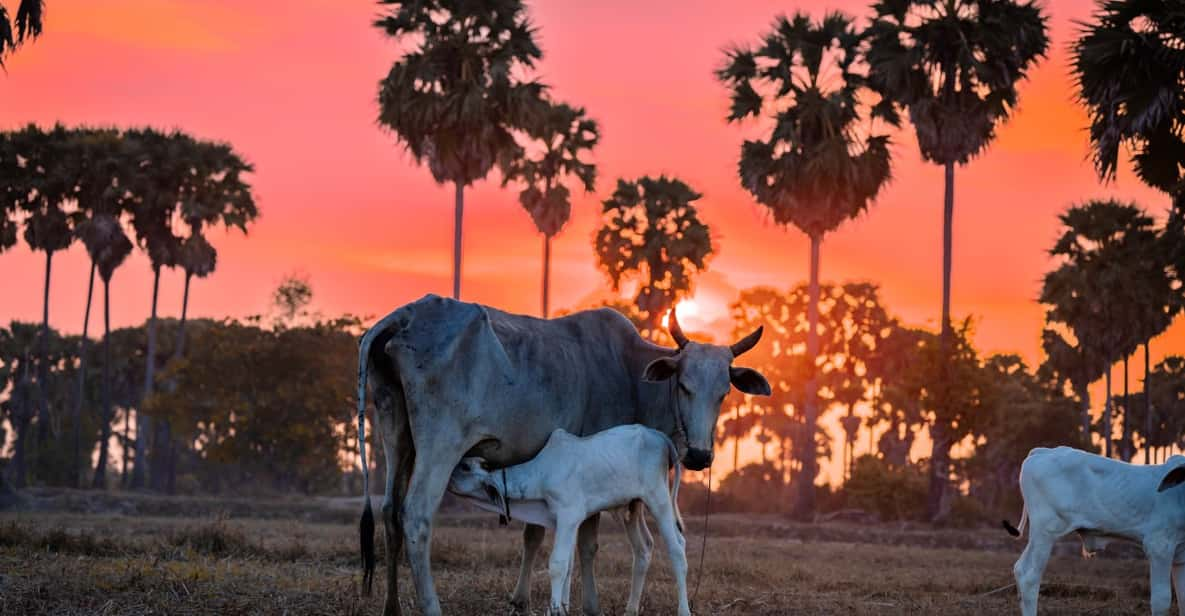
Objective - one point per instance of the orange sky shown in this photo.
(292, 85)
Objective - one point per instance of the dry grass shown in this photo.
(77, 563)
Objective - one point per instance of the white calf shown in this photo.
(573, 478)
(1070, 491)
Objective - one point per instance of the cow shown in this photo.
(1067, 491)
(574, 478)
(452, 379)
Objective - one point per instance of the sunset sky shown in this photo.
(293, 87)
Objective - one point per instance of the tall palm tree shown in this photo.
(1091, 292)
(162, 164)
(111, 254)
(44, 183)
(457, 97)
(100, 205)
(558, 140)
(819, 165)
(954, 64)
(27, 22)
(651, 229)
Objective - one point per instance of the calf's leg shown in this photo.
(520, 601)
(641, 545)
(664, 516)
(560, 565)
(586, 542)
(1179, 586)
(1029, 568)
(1160, 579)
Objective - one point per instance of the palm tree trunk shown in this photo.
(458, 214)
(165, 467)
(43, 364)
(546, 271)
(736, 439)
(940, 453)
(76, 465)
(1126, 453)
(1147, 407)
(1107, 417)
(143, 422)
(1083, 391)
(810, 464)
(100, 480)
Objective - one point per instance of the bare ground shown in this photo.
(199, 556)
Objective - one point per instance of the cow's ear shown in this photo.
(1175, 478)
(749, 381)
(660, 369)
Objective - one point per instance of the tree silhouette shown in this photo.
(954, 64)
(456, 99)
(558, 141)
(1130, 67)
(652, 231)
(1078, 364)
(819, 165)
(27, 22)
(1091, 293)
(111, 253)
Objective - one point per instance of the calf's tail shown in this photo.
(1017, 531)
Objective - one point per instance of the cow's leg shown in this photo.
(664, 516)
(1160, 563)
(1030, 567)
(560, 565)
(586, 541)
(391, 418)
(520, 601)
(641, 545)
(435, 461)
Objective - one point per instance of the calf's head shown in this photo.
(472, 479)
(701, 375)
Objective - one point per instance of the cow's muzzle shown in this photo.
(697, 459)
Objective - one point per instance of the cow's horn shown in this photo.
(676, 331)
(746, 343)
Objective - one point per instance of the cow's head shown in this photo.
(1173, 478)
(701, 375)
(472, 479)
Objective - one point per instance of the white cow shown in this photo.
(1070, 491)
(572, 478)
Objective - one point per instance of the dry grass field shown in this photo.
(193, 556)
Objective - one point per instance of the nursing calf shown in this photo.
(1070, 491)
(574, 478)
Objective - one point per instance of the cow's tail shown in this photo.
(366, 524)
(1017, 531)
(673, 457)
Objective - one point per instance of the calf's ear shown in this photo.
(749, 381)
(1174, 478)
(660, 369)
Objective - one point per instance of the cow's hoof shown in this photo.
(519, 607)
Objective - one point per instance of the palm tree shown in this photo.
(559, 139)
(820, 164)
(100, 205)
(1092, 292)
(1129, 65)
(651, 229)
(27, 22)
(457, 97)
(954, 64)
(162, 165)
(112, 252)
(44, 182)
